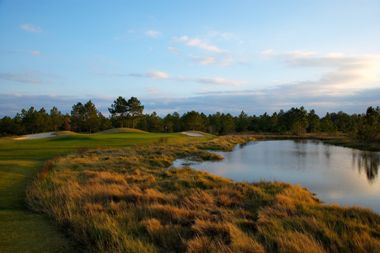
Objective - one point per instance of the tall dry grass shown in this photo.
(127, 200)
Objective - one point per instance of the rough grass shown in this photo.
(22, 230)
(127, 200)
(123, 130)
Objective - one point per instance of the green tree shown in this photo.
(56, 119)
(295, 120)
(134, 109)
(91, 119)
(104, 123)
(119, 111)
(42, 121)
(228, 124)
(154, 123)
(172, 122)
(8, 126)
(314, 122)
(327, 125)
(215, 123)
(194, 121)
(369, 127)
(77, 117)
(242, 122)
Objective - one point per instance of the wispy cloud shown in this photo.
(341, 74)
(157, 75)
(29, 77)
(199, 43)
(222, 60)
(204, 60)
(153, 33)
(252, 102)
(24, 77)
(209, 53)
(161, 75)
(30, 28)
(218, 81)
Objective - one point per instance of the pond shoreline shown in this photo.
(304, 154)
(337, 140)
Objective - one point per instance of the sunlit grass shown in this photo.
(127, 200)
(23, 231)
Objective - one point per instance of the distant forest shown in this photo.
(130, 113)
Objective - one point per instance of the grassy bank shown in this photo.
(24, 231)
(127, 200)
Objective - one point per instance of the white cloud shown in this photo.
(30, 28)
(342, 74)
(209, 53)
(219, 59)
(301, 54)
(204, 60)
(160, 75)
(218, 81)
(153, 33)
(198, 43)
(157, 75)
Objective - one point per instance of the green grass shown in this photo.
(24, 231)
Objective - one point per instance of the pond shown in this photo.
(336, 174)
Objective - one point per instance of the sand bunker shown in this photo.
(193, 134)
(36, 136)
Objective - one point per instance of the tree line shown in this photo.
(130, 113)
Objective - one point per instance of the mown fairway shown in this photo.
(24, 231)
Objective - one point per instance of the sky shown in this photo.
(227, 56)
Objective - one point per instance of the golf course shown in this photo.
(115, 191)
(23, 230)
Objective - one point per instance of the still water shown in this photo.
(336, 174)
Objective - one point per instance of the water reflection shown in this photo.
(367, 162)
(300, 148)
(335, 174)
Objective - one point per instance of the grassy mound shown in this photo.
(66, 133)
(122, 130)
(126, 200)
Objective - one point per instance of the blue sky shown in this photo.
(210, 56)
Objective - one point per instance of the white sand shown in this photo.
(36, 136)
(192, 134)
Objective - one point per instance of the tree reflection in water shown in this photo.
(368, 162)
